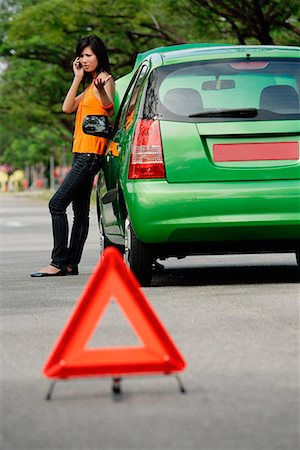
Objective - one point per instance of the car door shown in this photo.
(114, 173)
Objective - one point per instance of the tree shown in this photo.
(37, 39)
(265, 21)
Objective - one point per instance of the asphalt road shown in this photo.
(234, 318)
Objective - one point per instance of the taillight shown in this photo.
(146, 159)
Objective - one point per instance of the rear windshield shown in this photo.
(230, 90)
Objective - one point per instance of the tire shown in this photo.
(137, 256)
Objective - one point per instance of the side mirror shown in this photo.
(97, 126)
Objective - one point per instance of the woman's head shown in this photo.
(93, 56)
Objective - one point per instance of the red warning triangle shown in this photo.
(71, 356)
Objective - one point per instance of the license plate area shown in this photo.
(256, 151)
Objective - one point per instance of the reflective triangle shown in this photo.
(72, 356)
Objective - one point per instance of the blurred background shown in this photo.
(38, 40)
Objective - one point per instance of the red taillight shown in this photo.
(146, 159)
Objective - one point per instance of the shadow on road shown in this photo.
(204, 276)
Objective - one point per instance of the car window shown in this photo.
(262, 89)
(128, 106)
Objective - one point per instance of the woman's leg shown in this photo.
(57, 206)
(79, 180)
(81, 210)
(79, 233)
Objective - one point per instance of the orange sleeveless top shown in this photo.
(84, 143)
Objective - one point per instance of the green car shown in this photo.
(204, 155)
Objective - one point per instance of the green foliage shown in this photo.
(32, 124)
(251, 21)
(38, 39)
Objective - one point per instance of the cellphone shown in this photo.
(78, 64)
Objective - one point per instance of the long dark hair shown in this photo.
(98, 47)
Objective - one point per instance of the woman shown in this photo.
(91, 65)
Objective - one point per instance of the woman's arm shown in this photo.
(105, 90)
(71, 101)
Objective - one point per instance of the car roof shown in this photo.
(180, 49)
(170, 54)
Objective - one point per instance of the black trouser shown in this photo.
(76, 189)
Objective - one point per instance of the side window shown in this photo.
(129, 102)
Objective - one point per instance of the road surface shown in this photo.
(235, 319)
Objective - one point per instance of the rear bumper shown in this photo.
(199, 213)
(182, 250)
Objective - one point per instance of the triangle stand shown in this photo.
(116, 386)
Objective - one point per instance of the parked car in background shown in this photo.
(204, 155)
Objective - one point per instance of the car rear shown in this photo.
(214, 162)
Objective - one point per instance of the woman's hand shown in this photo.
(77, 68)
(104, 85)
(100, 82)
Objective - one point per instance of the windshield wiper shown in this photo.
(245, 112)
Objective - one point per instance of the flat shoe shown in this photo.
(61, 273)
(73, 271)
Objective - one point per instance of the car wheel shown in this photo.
(137, 257)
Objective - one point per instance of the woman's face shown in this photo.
(88, 60)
